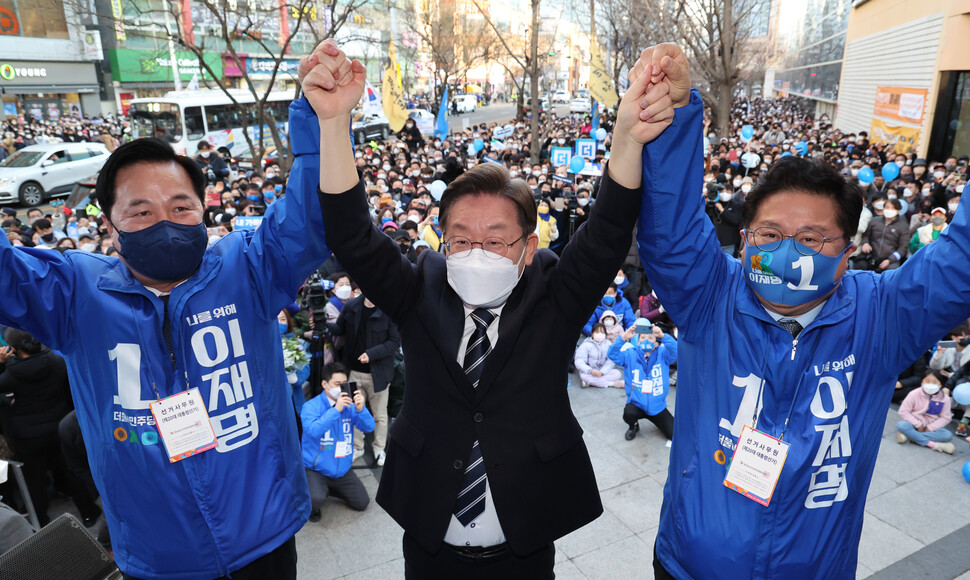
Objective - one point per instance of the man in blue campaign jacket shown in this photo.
(613, 301)
(171, 316)
(646, 377)
(328, 441)
(823, 390)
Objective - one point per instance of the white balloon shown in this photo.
(437, 188)
(750, 160)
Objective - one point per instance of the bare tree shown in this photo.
(232, 28)
(455, 44)
(619, 26)
(716, 36)
(530, 66)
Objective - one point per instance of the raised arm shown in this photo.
(597, 250)
(333, 84)
(927, 296)
(37, 292)
(678, 246)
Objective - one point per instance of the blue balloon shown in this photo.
(801, 147)
(866, 176)
(479, 145)
(747, 132)
(966, 471)
(576, 164)
(890, 171)
(961, 393)
(601, 134)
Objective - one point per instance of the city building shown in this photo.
(906, 75)
(46, 68)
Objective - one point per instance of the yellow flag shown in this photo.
(392, 93)
(600, 82)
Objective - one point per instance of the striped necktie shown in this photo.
(471, 498)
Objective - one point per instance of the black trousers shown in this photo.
(40, 454)
(420, 564)
(280, 564)
(663, 420)
(348, 488)
(659, 572)
(76, 458)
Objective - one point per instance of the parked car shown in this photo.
(466, 103)
(560, 97)
(580, 105)
(373, 126)
(38, 172)
(424, 120)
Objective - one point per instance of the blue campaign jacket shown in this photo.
(218, 511)
(624, 314)
(835, 381)
(321, 426)
(646, 379)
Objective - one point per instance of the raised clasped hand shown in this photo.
(332, 83)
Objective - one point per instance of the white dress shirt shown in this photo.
(804, 319)
(485, 530)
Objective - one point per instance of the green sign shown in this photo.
(130, 65)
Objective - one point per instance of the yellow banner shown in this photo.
(600, 82)
(904, 139)
(118, 15)
(392, 93)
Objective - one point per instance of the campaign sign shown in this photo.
(488, 159)
(586, 148)
(247, 222)
(561, 156)
(592, 169)
(503, 132)
(561, 179)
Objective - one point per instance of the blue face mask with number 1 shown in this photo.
(785, 276)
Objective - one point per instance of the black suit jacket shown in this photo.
(381, 340)
(538, 468)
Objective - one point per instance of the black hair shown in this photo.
(814, 177)
(597, 325)
(145, 150)
(22, 341)
(331, 369)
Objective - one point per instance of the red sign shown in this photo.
(125, 99)
(229, 66)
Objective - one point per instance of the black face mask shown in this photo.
(404, 248)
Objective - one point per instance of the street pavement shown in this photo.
(916, 522)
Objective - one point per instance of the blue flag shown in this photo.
(596, 117)
(441, 128)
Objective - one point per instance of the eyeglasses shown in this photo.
(495, 248)
(769, 239)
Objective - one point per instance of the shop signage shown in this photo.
(9, 72)
(130, 65)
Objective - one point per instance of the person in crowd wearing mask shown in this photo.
(611, 301)
(784, 349)
(45, 236)
(949, 359)
(269, 193)
(212, 166)
(370, 341)
(546, 227)
(179, 323)
(613, 328)
(432, 230)
(329, 422)
(727, 216)
(404, 242)
(645, 358)
(342, 291)
(473, 474)
(594, 366)
(924, 416)
(952, 206)
(886, 239)
(34, 396)
(930, 232)
(411, 136)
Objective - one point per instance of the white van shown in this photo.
(466, 103)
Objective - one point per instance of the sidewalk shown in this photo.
(916, 523)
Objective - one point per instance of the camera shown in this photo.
(315, 300)
(349, 387)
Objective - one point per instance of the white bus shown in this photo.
(185, 118)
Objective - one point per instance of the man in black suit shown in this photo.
(486, 464)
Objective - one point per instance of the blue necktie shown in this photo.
(471, 498)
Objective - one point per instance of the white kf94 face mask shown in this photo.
(482, 281)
